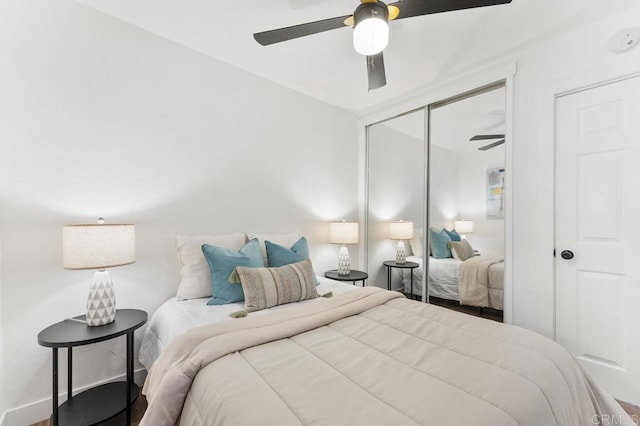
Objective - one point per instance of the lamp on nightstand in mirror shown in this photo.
(99, 246)
(401, 231)
(343, 233)
(463, 227)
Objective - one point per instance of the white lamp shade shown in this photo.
(463, 226)
(98, 246)
(401, 230)
(343, 232)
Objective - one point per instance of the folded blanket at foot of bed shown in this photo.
(475, 281)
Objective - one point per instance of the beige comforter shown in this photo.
(369, 357)
(474, 281)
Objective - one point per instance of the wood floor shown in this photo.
(454, 305)
(632, 410)
(487, 313)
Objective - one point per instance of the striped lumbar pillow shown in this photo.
(461, 250)
(267, 287)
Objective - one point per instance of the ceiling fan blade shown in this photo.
(410, 8)
(289, 33)
(375, 71)
(485, 137)
(491, 145)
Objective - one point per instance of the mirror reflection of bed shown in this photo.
(444, 276)
(466, 215)
(463, 192)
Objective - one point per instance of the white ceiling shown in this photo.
(411, 124)
(454, 124)
(421, 50)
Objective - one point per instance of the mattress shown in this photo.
(443, 278)
(174, 317)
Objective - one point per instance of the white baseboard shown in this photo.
(38, 411)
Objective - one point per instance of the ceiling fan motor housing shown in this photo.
(370, 10)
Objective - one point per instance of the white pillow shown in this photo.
(285, 240)
(416, 243)
(194, 270)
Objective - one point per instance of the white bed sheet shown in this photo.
(175, 317)
(443, 278)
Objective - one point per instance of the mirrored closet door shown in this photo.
(395, 200)
(466, 201)
(436, 205)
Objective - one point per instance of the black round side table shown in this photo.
(353, 276)
(101, 402)
(393, 264)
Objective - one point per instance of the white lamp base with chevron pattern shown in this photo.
(401, 253)
(101, 303)
(344, 265)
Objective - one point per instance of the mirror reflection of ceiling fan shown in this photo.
(370, 22)
(488, 138)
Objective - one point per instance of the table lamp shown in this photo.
(343, 233)
(99, 246)
(463, 227)
(401, 231)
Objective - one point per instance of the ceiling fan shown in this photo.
(488, 138)
(370, 27)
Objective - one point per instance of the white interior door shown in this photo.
(598, 220)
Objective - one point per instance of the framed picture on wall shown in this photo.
(495, 193)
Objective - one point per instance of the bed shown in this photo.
(175, 317)
(444, 280)
(366, 356)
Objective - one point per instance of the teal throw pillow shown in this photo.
(222, 262)
(440, 244)
(278, 255)
(453, 234)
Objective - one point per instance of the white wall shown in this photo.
(560, 62)
(3, 406)
(458, 191)
(444, 178)
(98, 118)
(396, 192)
(488, 234)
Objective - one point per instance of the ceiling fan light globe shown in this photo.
(371, 36)
(371, 30)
